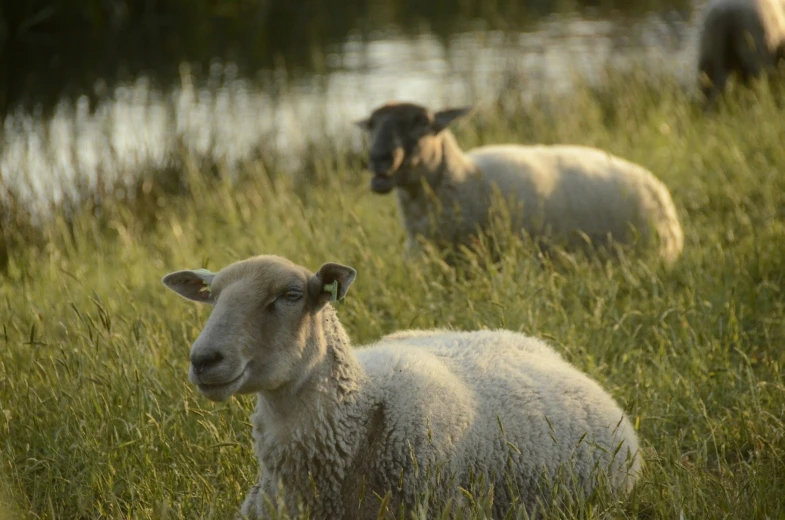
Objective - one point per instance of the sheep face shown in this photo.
(404, 143)
(258, 336)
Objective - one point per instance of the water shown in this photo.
(227, 106)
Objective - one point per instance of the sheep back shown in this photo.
(435, 407)
(569, 191)
(487, 399)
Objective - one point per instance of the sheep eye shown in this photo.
(290, 296)
(293, 296)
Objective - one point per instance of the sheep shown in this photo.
(339, 427)
(563, 193)
(746, 37)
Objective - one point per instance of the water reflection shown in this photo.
(123, 130)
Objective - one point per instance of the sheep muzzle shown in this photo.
(382, 183)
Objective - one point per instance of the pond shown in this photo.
(118, 97)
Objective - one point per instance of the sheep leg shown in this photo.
(250, 507)
(712, 77)
(750, 71)
(255, 505)
(714, 87)
(751, 56)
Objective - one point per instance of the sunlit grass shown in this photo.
(98, 419)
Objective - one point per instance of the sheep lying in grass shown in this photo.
(564, 193)
(340, 427)
(745, 37)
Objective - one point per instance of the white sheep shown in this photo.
(564, 193)
(339, 427)
(746, 37)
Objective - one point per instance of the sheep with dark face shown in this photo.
(567, 194)
(340, 427)
(745, 37)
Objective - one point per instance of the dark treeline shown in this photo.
(50, 49)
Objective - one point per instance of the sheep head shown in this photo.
(403, 139)
(259, 336)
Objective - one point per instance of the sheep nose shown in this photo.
(381, 162)
(205, 360)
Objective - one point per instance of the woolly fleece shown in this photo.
(337, 427)
(441, 395)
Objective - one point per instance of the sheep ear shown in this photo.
(364, 124)
(443, 118)
(193, 285)
(330, 283)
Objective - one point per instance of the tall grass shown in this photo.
(97, 418)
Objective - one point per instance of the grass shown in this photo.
(99, 421)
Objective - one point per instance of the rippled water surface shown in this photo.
(229, 109)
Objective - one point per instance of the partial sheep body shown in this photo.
(337, 426)
(564, 194)
(746, 37)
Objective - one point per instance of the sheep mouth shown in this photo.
(222, 391)
(381, 183)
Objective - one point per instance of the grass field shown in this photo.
(98, 419)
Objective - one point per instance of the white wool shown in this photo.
(566, 193)
(583, 189)
(443, 394)
(419, 411)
